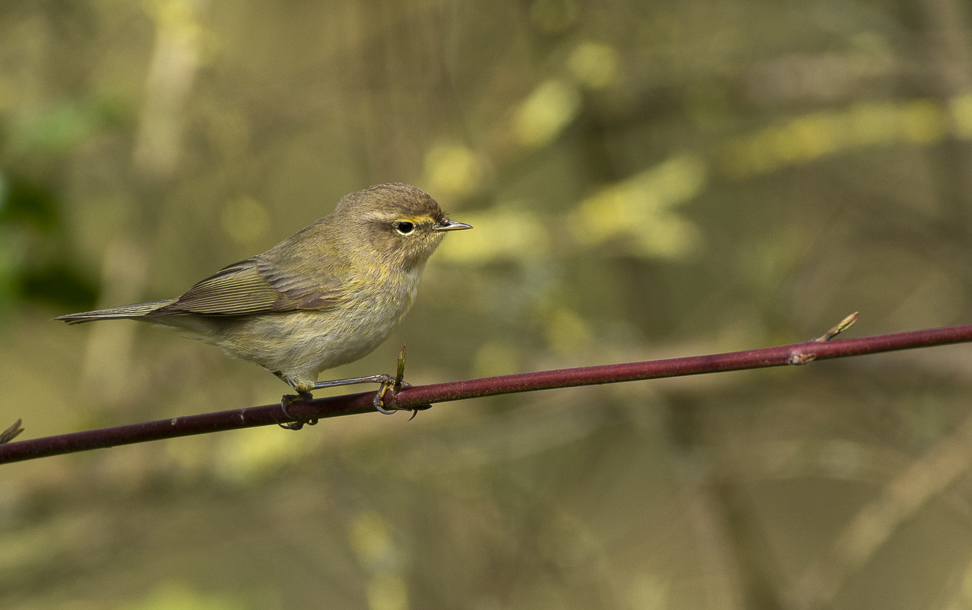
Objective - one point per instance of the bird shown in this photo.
(325, 296)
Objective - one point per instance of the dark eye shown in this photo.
(404, 227)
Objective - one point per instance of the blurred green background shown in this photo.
(646, 179)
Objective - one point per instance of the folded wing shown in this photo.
(253, 286)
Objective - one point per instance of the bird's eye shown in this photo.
(404, 227)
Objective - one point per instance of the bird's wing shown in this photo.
(253, 286)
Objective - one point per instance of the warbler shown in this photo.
(325, 296)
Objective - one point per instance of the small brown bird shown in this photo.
(325, 296)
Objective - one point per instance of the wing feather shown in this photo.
(253, 286)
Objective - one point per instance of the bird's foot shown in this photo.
(379, 400)
(298, 423)
(395, 384)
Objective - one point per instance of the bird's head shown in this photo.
(395, 224)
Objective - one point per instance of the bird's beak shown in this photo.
(451, 225)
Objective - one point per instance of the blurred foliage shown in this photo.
(645, 180)
(32, 263)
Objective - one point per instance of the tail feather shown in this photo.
(125, 312)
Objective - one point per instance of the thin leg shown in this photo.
(320, 385)
(387, 383)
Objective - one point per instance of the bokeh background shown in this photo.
(646, 179)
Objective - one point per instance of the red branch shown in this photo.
(416, 397)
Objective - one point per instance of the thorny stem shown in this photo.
(415, 397)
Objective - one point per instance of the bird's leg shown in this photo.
(395, 384)
(320, 385)
(285, 403)
(387, 382)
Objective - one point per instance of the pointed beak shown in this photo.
(451, 225)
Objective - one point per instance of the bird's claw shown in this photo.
(285, 402)
(395, 387)
(393, 384)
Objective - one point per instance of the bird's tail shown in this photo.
(125, 312)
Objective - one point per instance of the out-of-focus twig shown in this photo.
(417, 397)
(898, 501)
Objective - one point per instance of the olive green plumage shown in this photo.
(325, 296)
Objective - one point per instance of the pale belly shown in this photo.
(298, 345)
